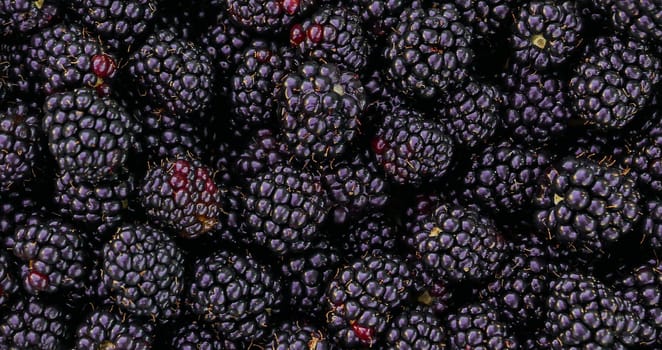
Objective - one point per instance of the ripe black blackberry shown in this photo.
(89, 135)
(144, 270)
(268, 16)
(21, 17)
(429, 51)
(487, 18)
(173, 73)
(641, 20)
(363, 296)
(194, 335)
(180, 195)
(284, 209)
(410, 149)
(607, 320)
(20, 146)
(614, 81)
(32, 324)
(458, 244)
(374, 233)
(333, 34)
(8, 282)
(415, 329)
(65, 56)
(547, 33)
(263, 152)
(234, 293)
(641, 156)
(119, 23)
(299, 335)
(321, 110)
(586, 205)
(107, 329)
(651, 223)
(477, 326)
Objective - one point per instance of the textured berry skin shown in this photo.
(412, 150)
(8, 283)
(641, 20)
(378, 15)
(642, 156)
(586, 204)
(321, 108)
(608, 321)
(415, 329)
(267, 16)
(332, 34)
(458, 244)
(21, 17)
(651, 223)
(15, 208)
(90, 136)
(195, 335)
(167, 135)
(614, 81)
(65, 56)
(428, 51)
(477, 326)
(234, 293)
(31, 324)
(144, 271)
(299, 335)
(20, 135)
(173, 73)
(119, 23)
(181, 196)
(284, 209)
(547, 33)
(52, 256)
(363, 296)
(486, 17)
(264, 151)
(374, 233)
(105, 329)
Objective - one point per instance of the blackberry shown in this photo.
(431, 292)
(284, 209)
(8, 282)
(51, 254)
(537, 105)
(15, 79)
(144, 270)
(412, 150)
(89, 135)
(477, 326)
(198, 336)
(585, 204)
(66, 56)
(641, 20)
(332, 34)
(415, 329)
(299, 335)
(641, 156)
(607, 320)
(236, 294)
(15, 208)
(378, 16)
(167, 135)
(374, 233)
(173, 73)
(428, 51)
(363, 296)
(547, 33)
(119, 23)
(105, 329)
(267, 16)
(614, 81)
(20, 146)
(21, 17)
(264, 151)
(487, 18)
(458, 244)
(321, 108)
(32, 324)
(180, 195)
(651, 223)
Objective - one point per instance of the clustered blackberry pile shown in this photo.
(320, 175)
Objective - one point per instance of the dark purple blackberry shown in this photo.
(547, 33)
(477, 326)
(428, 51)
(107, 329)
(173, 73)
(8, 282)
(583, 313)
(299, 335)
(21, 17)
(169, 135)
(16, 207)
(412, 150)
(90, 136)
(614, 80)
(180, 195)
(642, 157)
(537, 106)
(651, 223)
(332, 34)
(305, 277)
(66, 56)
(144, 271)
(363, 296)
(586, 205)
(502, 177)
(267, 16)
(373, 233)
(195, 335)
(31, 324)
(458, 244)
(415, 329)
(263, 152)
(641, 20)
(51, 256)
(20, 146)
(487, 17)
(236, 294)
(321, 108)
(119, 23)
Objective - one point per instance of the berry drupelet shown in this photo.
(640, 20)
(32, 324)
(107, 329)
(477, 326)
(374, 233)
(416, 329)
